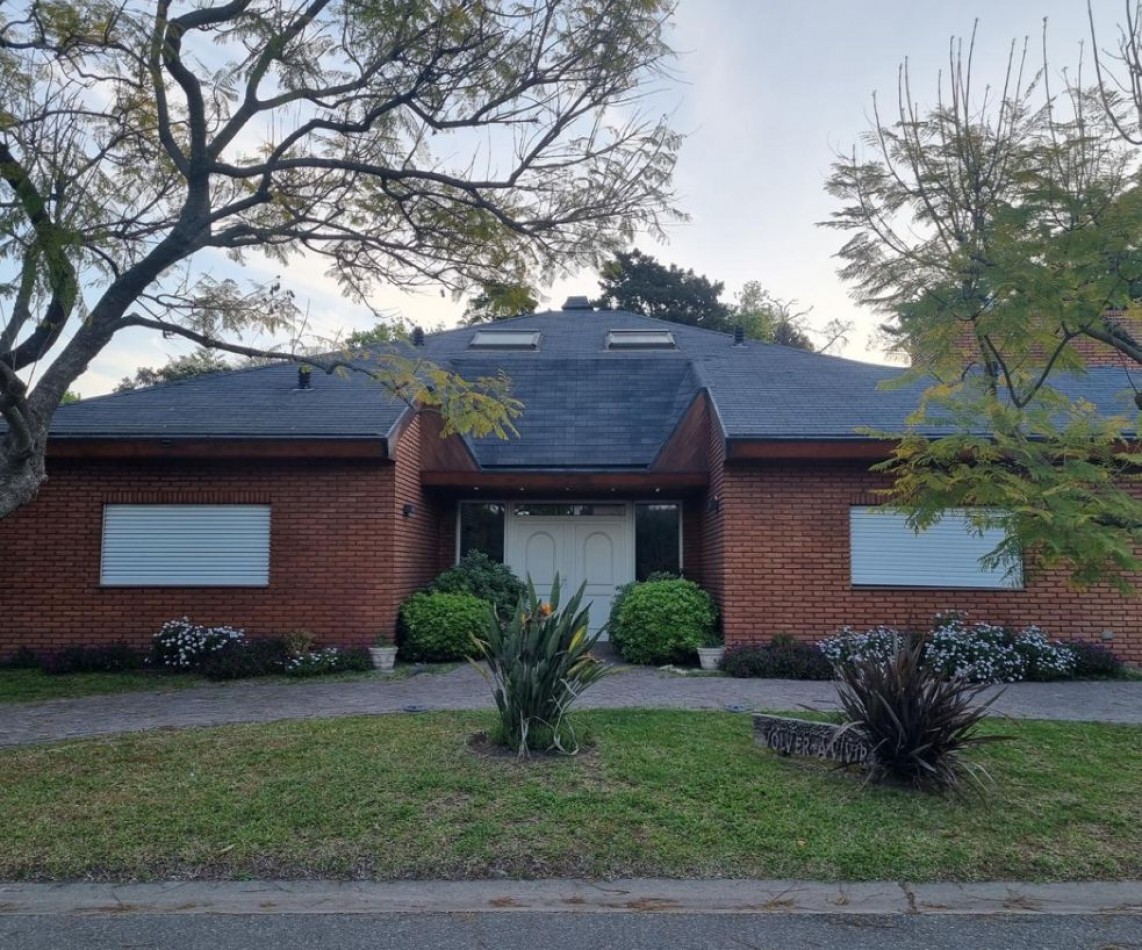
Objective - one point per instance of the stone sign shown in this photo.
(813, 739)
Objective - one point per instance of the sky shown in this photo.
(767, 93)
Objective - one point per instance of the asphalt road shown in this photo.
(529, 931)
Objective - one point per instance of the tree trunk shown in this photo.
(21, 477)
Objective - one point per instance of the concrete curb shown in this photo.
(882, 898)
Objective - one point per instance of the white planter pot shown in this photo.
(383, 658)
(710, 657)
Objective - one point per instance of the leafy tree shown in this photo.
(69, 397)
(142, 145)
(993, 233)
(199, 363)
(637, 282)
(497, 300)
(762, 316)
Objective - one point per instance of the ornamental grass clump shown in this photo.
(918, 721)
(538, 663)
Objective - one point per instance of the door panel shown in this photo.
(541, 557)
(590, 549)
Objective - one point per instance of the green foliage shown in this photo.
(245, 659)
(1094, 661)
(477, 574)
(499, 300)
(993, 236)
(303, 130)
(663, 622)
(201, 362)
(440, 627)
(538, 663)
(919, 722)
(637, 282)
(783, 658)
(113, 658)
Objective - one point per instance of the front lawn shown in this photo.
(662, 794)
(25, 686)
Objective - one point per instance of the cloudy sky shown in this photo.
(768, 91)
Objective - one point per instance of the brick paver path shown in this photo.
(463, 688)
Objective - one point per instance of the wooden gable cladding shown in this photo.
(631, 483)
(442, 453)
(216, 449)
(849, 449)
(687, 449)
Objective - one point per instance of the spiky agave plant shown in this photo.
(918, 721)
(538, 663)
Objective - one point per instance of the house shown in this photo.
(250, 499)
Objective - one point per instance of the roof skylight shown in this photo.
(640, 340)
(504, 340)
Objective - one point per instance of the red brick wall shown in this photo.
(331, 561)
(712, 570)
(786, 545)
(417, 553)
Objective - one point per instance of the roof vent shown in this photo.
(304, 374)
(739, 335)
(417, 336)
(577, 303)
(504, 340)
(640, 340)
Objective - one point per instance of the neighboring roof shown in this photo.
(586, 407)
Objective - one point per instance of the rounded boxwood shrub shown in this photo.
(440, 627)
(477, 574)
(663, 622)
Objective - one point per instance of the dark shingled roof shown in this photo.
(585, 407)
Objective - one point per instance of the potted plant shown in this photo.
(383, 654)
(712, 650)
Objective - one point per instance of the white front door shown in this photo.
(583, 543)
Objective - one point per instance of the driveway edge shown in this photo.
(882, 898)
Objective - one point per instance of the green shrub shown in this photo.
(784, 658)
(539, 663)
(663, 622)
(244, 659)
(478, 575)
(918, 721)
(113, 658)
(25, 658)
(1094, 661)
(440, 627)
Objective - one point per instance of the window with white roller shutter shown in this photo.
(886, 552)
(186, 546)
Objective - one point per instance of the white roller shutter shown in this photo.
(886, 552)
(186, 545)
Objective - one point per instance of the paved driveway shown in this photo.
(464, 688)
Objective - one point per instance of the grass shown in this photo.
(674, 794)
(26, 686)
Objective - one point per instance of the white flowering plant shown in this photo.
(880, 644)
(327, 660)
(184, 645)
(958, 649)
(1045, 659)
